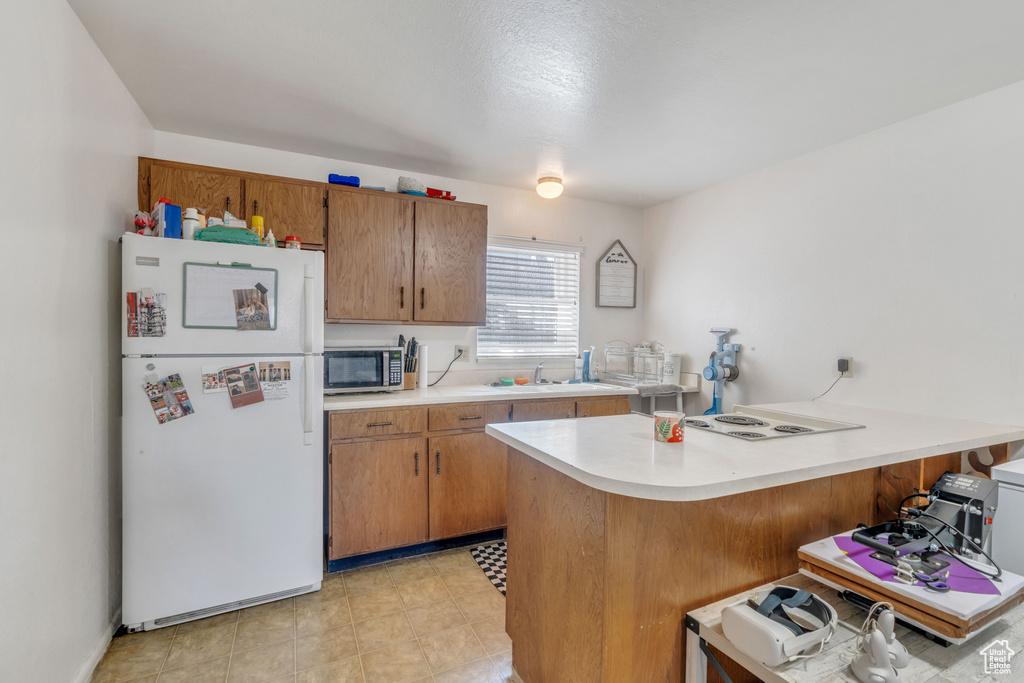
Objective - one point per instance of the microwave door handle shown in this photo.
(386, 370)
(307, 409)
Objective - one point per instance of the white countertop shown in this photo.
(618, 454)
(469, 393)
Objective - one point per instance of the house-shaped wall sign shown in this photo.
(616, 278)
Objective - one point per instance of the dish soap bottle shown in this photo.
(579, 367)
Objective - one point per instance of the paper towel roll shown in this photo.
(421, 374)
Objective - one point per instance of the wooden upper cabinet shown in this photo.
(288, 208)
(450, 264)
(369, 261)
(187, 187)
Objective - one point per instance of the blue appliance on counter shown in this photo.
(721, 367)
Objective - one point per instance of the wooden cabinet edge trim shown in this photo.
(403, 322)
(284, 179)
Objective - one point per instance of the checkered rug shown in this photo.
(491, 559)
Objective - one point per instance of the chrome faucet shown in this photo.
(536, 373)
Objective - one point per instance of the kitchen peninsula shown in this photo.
(613, 537)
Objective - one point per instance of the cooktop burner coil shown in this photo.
(741, 420)
(792, 429)
(698, 423)
(748, 435)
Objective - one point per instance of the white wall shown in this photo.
(510, 212)
(70, 135)
(901, 248)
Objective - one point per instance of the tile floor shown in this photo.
(429, 618)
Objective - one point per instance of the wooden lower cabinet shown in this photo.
(599, 407)
(378, 495)
(468, 484)
(557, 409)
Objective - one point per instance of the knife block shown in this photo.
(410, 380)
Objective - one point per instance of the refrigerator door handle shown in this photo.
(308, 343)
(307, 408)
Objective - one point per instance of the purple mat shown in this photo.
(962, 578)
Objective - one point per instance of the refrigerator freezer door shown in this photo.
(222, 505)
(158, 264)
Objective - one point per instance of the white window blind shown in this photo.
(532, 303)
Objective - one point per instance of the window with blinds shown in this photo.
(533, 303)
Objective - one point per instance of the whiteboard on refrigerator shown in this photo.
(209, 293)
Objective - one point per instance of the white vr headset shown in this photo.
(782, 627)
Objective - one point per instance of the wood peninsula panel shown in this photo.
(600, 407)
(556, 409)
(369, 262)
(289, 208)
(656, 560)
(466, 415)
(917, 476)
(556, 553)
(378, 495)
(450, 263)
(468, 484)
(210, 191)
(369, 423)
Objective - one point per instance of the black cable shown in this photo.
(922, 513)
(829, 389)
(457, 356)
(912, 495)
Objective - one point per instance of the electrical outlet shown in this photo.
(465, 353)
(849, 367)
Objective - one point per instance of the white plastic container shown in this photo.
(190, 224)
(670, 368)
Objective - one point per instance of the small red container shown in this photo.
(292, 242)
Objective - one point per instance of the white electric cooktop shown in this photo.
(758, 424)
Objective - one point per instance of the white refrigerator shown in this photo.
(222, 505)
(1008, 523)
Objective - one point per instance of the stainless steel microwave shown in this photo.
(365, 368)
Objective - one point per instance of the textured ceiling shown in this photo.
(631, 102)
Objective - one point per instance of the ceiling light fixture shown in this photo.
(549, 187)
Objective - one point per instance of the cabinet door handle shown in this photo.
(423, 294)
(401, 295)
(472, 417)
(585, 415)
(439, 462)
(567, 415)
(380, 424)
(228, 204)
(255, 208)
(417, 464)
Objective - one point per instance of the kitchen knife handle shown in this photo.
(380, 424)
(417, 464)
(439, 462)
(423, 294)
(401, 294)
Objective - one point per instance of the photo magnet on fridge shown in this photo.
(243, 385)
(274, 378)
(168, 398)
(251, 312)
